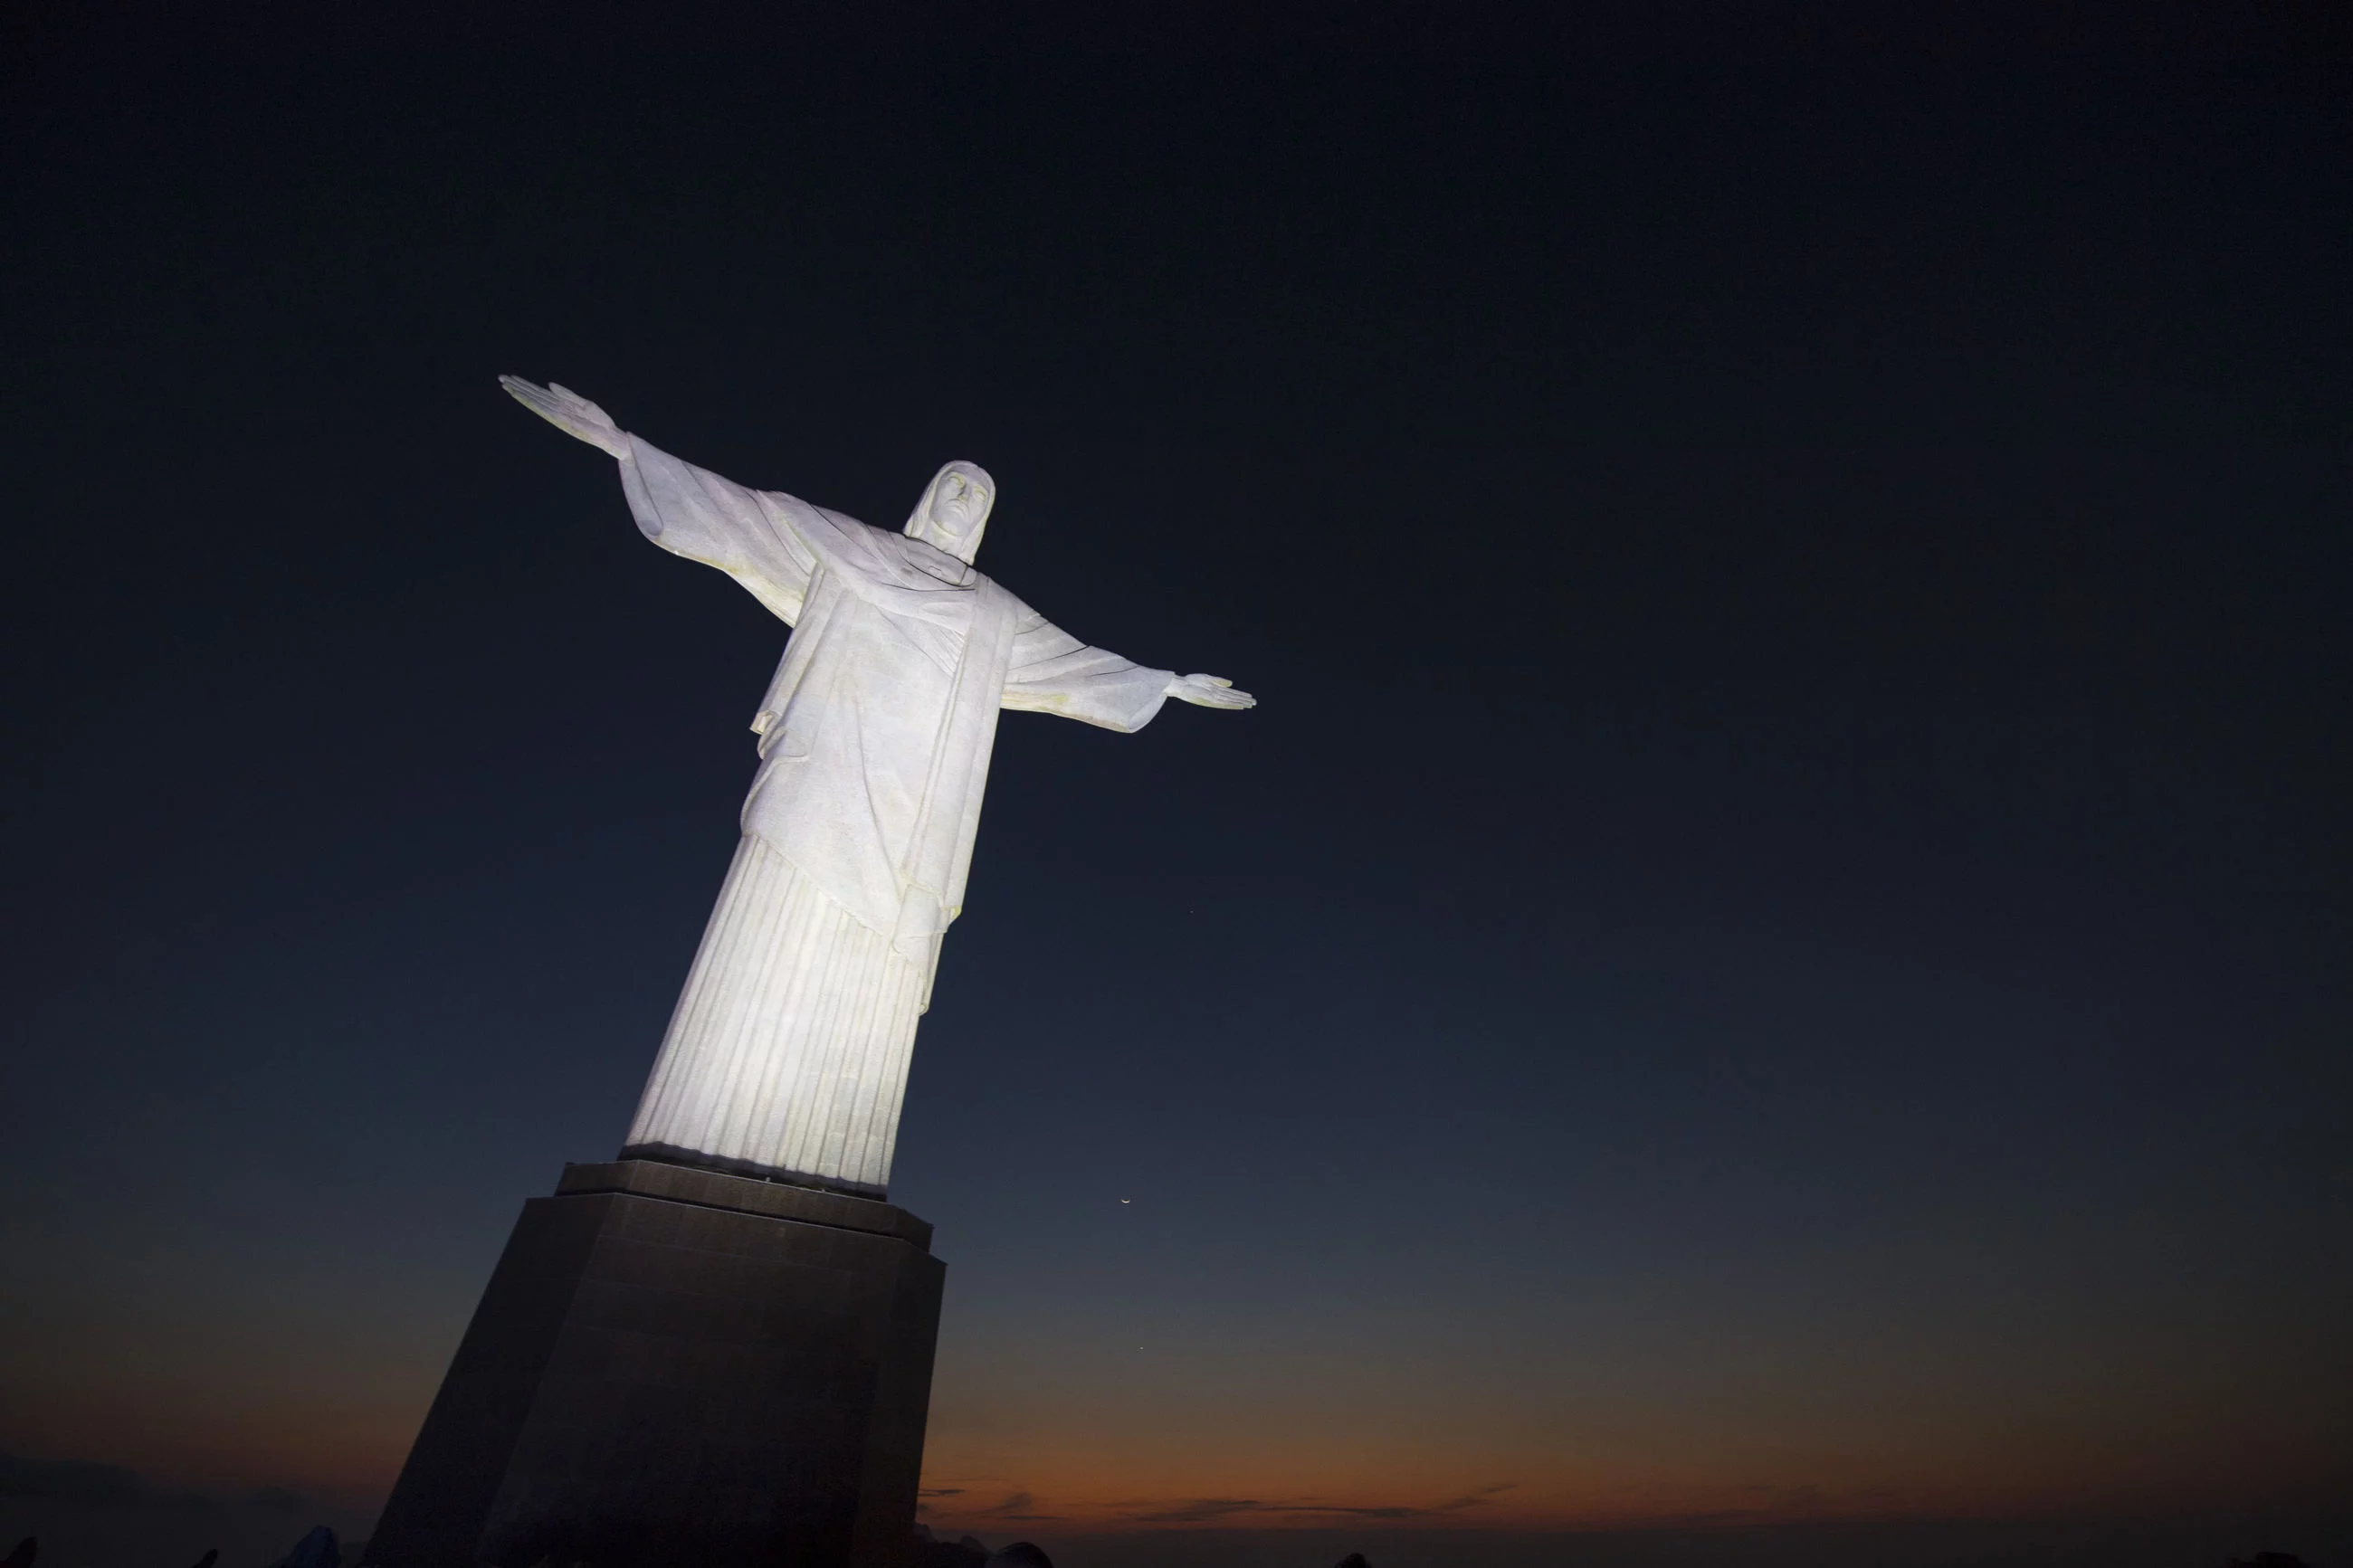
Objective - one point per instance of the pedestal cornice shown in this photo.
(746, 1194)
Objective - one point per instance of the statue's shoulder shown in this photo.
(843, 521)
(825, 527)
(804, 512)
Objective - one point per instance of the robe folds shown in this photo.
(787, 1053)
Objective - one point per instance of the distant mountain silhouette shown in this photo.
(316, 1550)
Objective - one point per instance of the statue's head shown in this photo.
(955, 510)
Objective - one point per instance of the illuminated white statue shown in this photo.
(787, 1055)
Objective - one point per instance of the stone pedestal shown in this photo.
(674, 1367)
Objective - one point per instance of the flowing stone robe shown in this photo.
(788, 1054)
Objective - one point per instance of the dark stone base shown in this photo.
(675, 1366)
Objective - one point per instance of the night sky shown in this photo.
(1768, 981)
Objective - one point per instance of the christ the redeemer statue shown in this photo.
(787, 1055)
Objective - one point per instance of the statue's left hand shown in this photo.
(570, 413)
(1208, 691)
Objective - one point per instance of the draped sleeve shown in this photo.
(694, 512)
(1054, 672)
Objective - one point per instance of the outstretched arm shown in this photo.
(688, 511)
(1054, 672)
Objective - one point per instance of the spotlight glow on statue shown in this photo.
(787, 1055)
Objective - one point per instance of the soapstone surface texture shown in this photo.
(787, 1053)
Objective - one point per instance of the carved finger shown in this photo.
(552, 404)
(553, 413)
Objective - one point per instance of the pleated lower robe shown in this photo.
(789, 1046)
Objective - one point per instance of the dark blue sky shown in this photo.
(1775, 952)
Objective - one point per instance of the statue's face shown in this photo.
(960, 506)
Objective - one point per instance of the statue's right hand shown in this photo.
(570, 413)
(1208, 691)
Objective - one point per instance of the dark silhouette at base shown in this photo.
(1020, 1554)
(932, 1552)
(316, 1550)
(26, 1549)
(1353, 1559)
(211, 1556)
